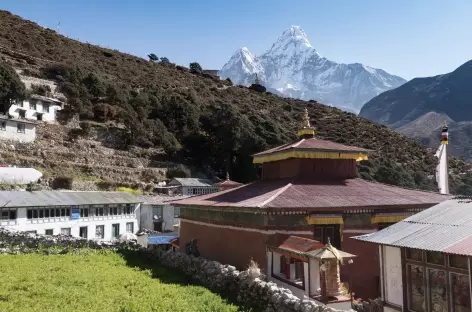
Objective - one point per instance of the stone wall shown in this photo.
(247, 287)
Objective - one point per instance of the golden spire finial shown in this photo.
(307, 131)
(445, 123)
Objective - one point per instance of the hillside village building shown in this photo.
(92, 215)
(192, 186)
(19, 130)
(425, 259)
(158, 214)
(308, 189)
(37, 107)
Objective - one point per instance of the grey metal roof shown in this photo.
(159, 199)
(20, 120)
(61, 198)
(443, 227)
(193, 182)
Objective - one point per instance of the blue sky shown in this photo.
(409, 38)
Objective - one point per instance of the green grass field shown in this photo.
(98, 282)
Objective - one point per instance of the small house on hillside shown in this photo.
(37, 107)
(14, 129)
(425, 259)
(157, 214)
(193, 186)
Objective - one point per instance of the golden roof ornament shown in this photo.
(307, 131)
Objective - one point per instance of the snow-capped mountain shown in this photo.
(294, 68)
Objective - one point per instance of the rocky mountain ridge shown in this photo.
(295, 69)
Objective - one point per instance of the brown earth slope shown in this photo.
(217, 125)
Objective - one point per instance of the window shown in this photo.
(7, 214)
(3, 125)
(45, 108)
(20, 127)
(128, 210)
(434, 284)
(22, 114)
(460, 262)
(115, 230)
(156, 211)
(49, 232)
(176, 212)
(84, 212)
(434, 257)
(460, 292)
(32, 105)
(113, 211)
(321, 233)
(39, 117)
(83, 232)
(99, 211)
(65, 231)
(291, 271)
(129, 227)
(100, 231)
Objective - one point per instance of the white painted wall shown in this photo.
(146, 217)
(49, 114)
(300, 293)
(11, 133)
(315, 282)
(392, 275)
(41, 225)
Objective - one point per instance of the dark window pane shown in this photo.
(437, 290)
(53, 213)
(318, 234)
(35, 214)
(414, 254)
(12, 214)
(29, 214)
(41, 213)
(460, 292)
(416, 288)
(434, 257)
(46, 213)
(460, 262)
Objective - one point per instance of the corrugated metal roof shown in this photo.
(160, 240)
(193, 182)
(159, 199)
(445, 227)
(61, 198)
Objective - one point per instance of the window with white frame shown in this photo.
(128, 209)
(8, 213)
(20, 127)
(84, 212)
(45, 108)
(129, 227)
(41, 212)
(3, 125)
(176, 212)
(156, 211)
(32, 105)
(100, 231)
(65, 231)
(49, 232)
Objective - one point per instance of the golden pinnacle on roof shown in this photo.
(307, 131)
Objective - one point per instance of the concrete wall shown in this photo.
(11, 131)
(392, 275)
(49, 115)
(147, 221)
(56, 224)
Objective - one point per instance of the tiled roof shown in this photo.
(159, 199)
(193, 182)
(294, 243)
(228, 183)
(293, 194)
(314, 144)
(446, 227)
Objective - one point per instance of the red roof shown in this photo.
(295, 193)
(294, 243)
(315, 145)
(228, 183)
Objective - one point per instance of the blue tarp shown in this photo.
(160, 240)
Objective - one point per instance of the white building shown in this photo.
(193, 186)
(425, 260)
(12, 129)
(19, 176)
(37, 107)
(92, 215)
(157, 214)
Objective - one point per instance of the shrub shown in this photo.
(62, 182)
(43, 90)
(129, 190)
(179, 171)
(195, 68)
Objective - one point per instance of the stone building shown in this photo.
(20, 130)
(309, 189)
(93, 215)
